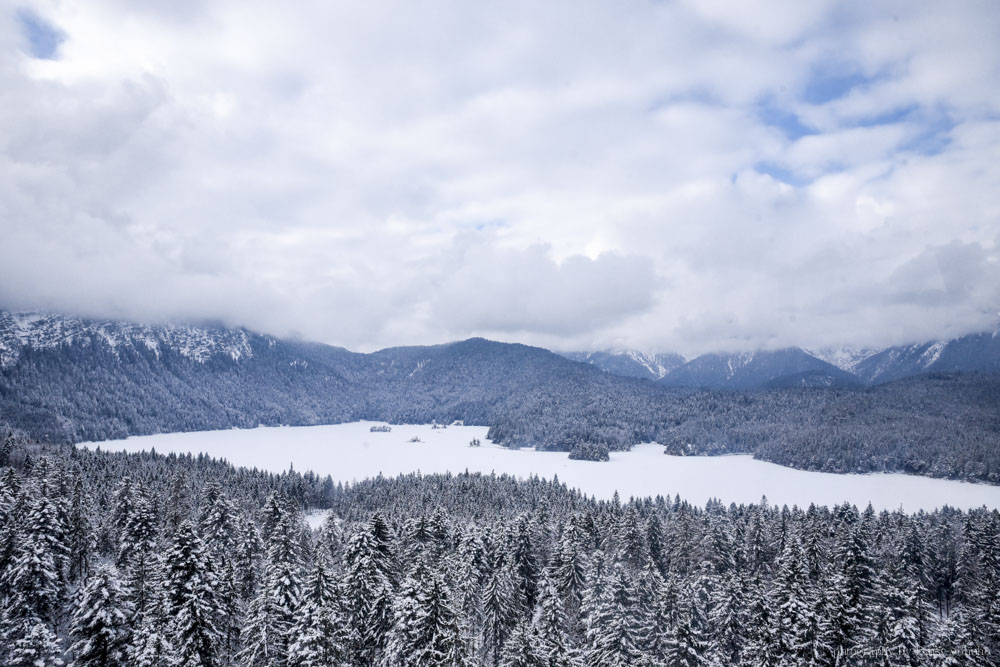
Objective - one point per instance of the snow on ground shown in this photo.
(315, 518)
(350, 452)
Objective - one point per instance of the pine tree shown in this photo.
(100, 627)
(271, 615)
(190, 598)
(612, 626)
(137, 550)
(319, 639)
(520, 649)
(80, 534)
(151, 645)
(426, 628)
(791, 602)
(548, 629)
(728, 617)
(687, 644)
(35, 581)
(498, 605)
(38, 647)
(369, 589)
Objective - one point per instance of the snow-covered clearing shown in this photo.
(315, 518)
(350, 452)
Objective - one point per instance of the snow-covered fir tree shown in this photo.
(100, 627)
(214, 565)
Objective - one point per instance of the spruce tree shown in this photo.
(520, 649)
(687, 644)
(570, 575)
(524, 560)
(850, 587)
(272, 613)
(791, 603)
(729, 618)
(151, 644)
(426, 627)
(548, 629)
(499, 606)
(369, 589)
(318, 636)
(612, 626)
(441, 640)
(954, 644)
(34, 582)
(37, 647)
(100, 626)
(137, 550)
(191, 600)
(80, 537)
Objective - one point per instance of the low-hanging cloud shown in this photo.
(492, 289)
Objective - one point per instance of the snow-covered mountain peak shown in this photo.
(41, 331)
(630, 363)
(658, 365)
(844, 358)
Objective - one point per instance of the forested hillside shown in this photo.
(642, 365)
(106, 382)
(149, 561)
(788, 367)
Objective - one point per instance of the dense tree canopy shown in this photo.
(142, 559)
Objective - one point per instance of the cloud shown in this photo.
(490, 289)
(672, 176)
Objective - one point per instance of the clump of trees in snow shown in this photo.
(119, 559)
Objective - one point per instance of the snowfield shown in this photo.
(350, 452)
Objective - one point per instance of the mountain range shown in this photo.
(65, 379)
(795, 367)
(630, 363)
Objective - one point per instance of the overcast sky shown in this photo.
(685, 176)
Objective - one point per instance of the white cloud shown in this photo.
(573, 175)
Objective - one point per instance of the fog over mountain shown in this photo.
(679, 177)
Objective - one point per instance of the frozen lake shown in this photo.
(350, 452)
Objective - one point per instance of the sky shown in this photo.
(684, 176)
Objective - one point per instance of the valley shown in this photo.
(350, 453)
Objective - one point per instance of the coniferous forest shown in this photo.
(529, 397)
(140, 559)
